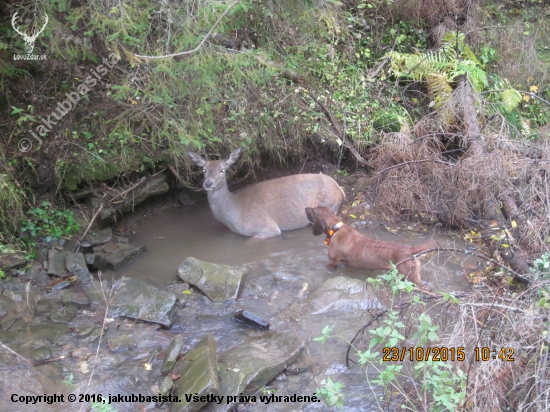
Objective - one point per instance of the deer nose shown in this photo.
(208, 184)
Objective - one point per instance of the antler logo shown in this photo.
(30, 40)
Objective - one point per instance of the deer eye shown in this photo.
(223, 171)
(204, 170)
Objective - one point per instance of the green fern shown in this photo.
(510, 98)
(441, 70)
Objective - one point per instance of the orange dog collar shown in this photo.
(332, 231)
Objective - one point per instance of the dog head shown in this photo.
(319, 223)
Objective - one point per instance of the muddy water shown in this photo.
(280, 271)
(180, 232)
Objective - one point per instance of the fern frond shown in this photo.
(453, 44)
(468, 54)
(478, 77)
(439, 85)
(510, 98)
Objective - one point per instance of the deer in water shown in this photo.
(264, 209)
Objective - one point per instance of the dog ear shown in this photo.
(309, 214)
(319, 227)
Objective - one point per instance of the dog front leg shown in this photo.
(333, 261)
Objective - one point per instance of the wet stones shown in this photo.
(250, 320)
(114, 255)
(75, 296)
(198, 376)
(11, 262)
(255, 363)
(65, 263)
(218, 282)
(138, 300)
(343, 294)
(171, 355)
(97, 236)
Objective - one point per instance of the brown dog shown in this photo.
(360, 252)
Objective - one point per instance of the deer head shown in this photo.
(30, 40)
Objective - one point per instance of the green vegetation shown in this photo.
(50, 223)
(441, 385)
(286, 79)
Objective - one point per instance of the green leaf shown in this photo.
(511, 98)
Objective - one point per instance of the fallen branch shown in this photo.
(176, 175)
(341, 135)
(196, 48)
(88, 228)
(140, 181)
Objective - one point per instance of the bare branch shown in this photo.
(200, 44)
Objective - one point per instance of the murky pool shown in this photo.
(280, 272)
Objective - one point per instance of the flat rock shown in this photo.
(64, 314)
(171, 355)
(75, 296)
(76, 265)
(121, 343)
(153, 186)
(12, 261)
(64, 263)
(343, 294)
(255, 363)
(114, 255)
(81, 353)
(35, 336)
(198, 375)
(56, 262)
(97, 236)
(218, 282)
(138, 300)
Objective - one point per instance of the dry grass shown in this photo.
(430, 170)
(501, 321)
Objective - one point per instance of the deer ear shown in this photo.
(234, 156)
(199, 161)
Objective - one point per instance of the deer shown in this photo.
(30, 40)
(264, 209)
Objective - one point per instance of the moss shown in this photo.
(77, 172)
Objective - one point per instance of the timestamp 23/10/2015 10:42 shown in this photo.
(444, 354)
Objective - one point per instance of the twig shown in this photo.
(176, 175)
(200, 44)
(495, 305)
(341, 135)
(88, 228)
(385, 60)
(16, 354)
(140, 181)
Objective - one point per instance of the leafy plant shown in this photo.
(46, 221)
(441, 387)
(332, 393)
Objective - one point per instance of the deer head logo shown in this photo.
(30, 40)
